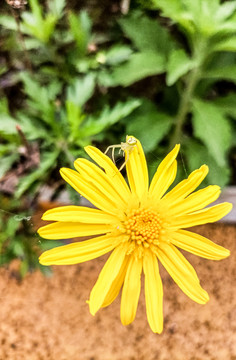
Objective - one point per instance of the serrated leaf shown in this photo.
(226, 44)
(178, 12)
(74, 118)
(48, 162)
(80, 27)
(147, 34)
(225, 72)
(228, 27)
(8, 22)
(213, 129)
(108, 117)
(140, 65)
(227, 104)
(225, 10)
(56, 7)
(32, 43)
(81, 90)
(178, 65)
(40, 96)
(149, 125)
(118, 54)
(197, 155)
(6, 163)
(8, 125)
(31, 128)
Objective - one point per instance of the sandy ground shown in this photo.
(48, 318)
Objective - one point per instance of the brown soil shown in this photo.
(48, 318)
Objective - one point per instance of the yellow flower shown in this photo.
(140, 225)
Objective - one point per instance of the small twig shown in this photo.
(24, 140)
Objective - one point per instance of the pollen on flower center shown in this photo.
(144, 228)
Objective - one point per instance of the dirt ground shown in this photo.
(48, 318)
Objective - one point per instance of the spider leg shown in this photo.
(107, 149)
(113, 155)
(125, 162)
(111, 147)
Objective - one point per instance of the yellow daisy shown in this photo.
(140, 224)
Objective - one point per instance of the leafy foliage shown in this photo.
(69, 77)
(17, 238)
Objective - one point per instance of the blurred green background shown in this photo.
(74, 74)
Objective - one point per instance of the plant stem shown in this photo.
(184, 105)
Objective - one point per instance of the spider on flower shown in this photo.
(127, 147)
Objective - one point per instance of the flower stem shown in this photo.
(201, 53)
(184, 105)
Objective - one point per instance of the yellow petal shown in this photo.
(100, 180)
(198, 245)
(88, 191)
(79, 252)
(153, 292)
(116, 285)
(185, 187)
(182, 273)
(68, 230)
(200, 217)
(108, 274)
(196, 201)
(110, 169)
(78, 214)
(165, 174)
(137, 171)
(131, 290)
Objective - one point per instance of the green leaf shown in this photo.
(7, 148)
(178, 65)
(179, 12)
(46, 270)
(8, 22)
(149, 125)
(213, 129)
(80, 27)
(32, 43)
(6, 163)
(8, 125)
(226, 73)
(3, 69)
(140, 65)
(117, 54)
(24, 267)
(11, 227)
(197, 155)
(227, 104)
(32, 128)
(74, 118)
(4, 106)
(225, 11)
(226, 44)
(56, 7)
(42, 97)
(147, 34)
(36, 25)
(228, 27)
(36, 10)
(81, 90)
(48, 162)
(108, 117)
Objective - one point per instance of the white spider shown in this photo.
(127, 147)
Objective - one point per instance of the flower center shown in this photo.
(144, 227)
